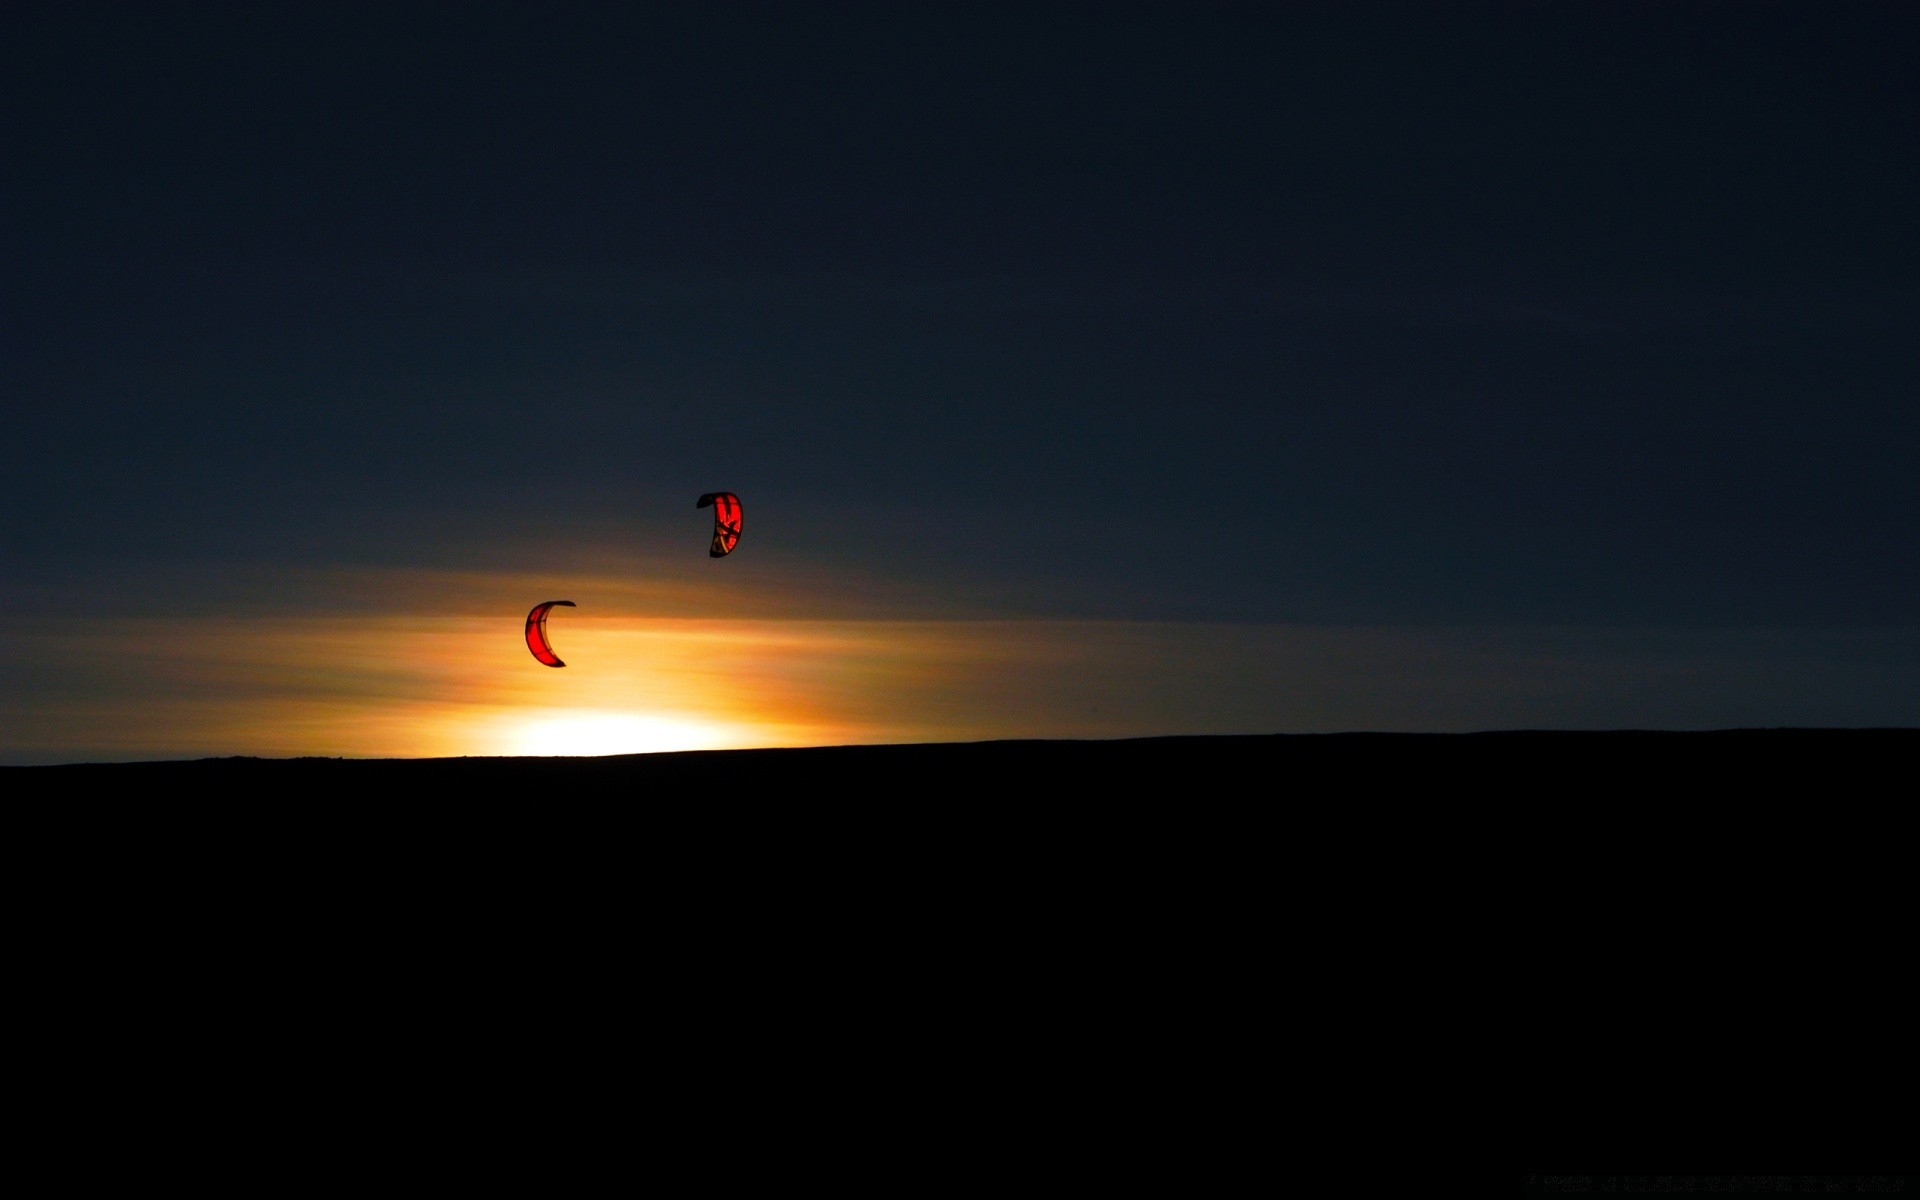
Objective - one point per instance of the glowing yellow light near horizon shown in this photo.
(592, 733)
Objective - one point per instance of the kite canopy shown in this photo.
(726, 522)
(537, 632)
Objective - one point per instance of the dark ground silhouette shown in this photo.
(1159, 922)
(1200, 769)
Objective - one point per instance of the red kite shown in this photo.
(537, 632)
(726, 522)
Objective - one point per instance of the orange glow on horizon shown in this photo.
(444, 671)
(413, 686)
(429, 687)
(385, 685)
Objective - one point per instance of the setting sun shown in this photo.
(590, 732)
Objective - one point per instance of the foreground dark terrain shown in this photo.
(668, 941)
(714, 829)
(1211, 769)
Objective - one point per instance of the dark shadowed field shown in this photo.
(712, 835)
(1007, 942)
(1199, 770)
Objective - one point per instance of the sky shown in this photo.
(1084, 369)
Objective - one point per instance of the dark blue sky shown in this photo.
(1584, 314)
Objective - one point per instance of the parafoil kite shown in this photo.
(726, 522)
(537, 632)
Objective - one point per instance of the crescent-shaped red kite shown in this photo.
(537, 632)
(726, 522)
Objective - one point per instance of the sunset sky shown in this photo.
(1085, 370)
